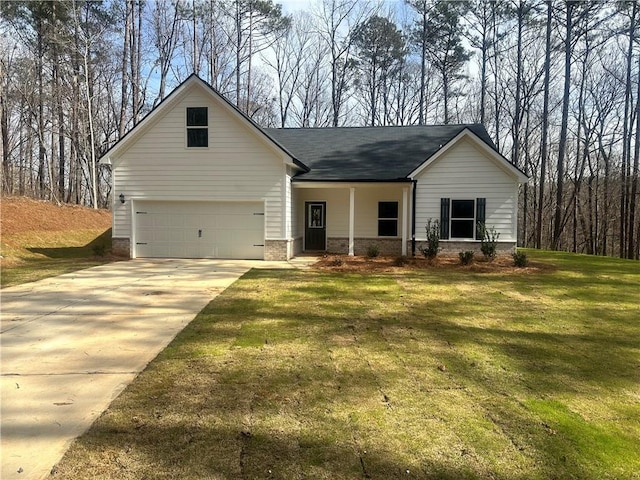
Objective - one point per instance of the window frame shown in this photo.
(471, 219)
(195, 126)
(389, 220)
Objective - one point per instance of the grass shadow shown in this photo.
(99, 246)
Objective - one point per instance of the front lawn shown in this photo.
(437, 373)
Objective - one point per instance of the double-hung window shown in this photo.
(197, 127)
(387, 219)
(462, 219)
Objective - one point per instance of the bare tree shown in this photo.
(544, 158)
(337, 19)
(165, 22)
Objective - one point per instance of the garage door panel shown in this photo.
(199, 229)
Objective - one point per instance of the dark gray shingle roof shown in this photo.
(367, 153)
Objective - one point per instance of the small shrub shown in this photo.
(373, 251)
(401, 261)
(433, 239)
(99, 249)
(520, 259)
(466, 257)
(489, 242)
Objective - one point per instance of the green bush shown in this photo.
(466, 257)
(373, 251)
(520, 259)
(433, 239)
(489, 241)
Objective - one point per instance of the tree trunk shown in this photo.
(632, 250)
(562, 145)
(423, 69)
(41, 145)
(626, 140)
(515, 150)
(57, 90)
(124, 85)
(7, 170)
(545, 126)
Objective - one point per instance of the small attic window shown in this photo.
(197, 127)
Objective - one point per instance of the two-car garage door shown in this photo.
(199, 229)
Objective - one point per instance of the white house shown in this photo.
(198, 179)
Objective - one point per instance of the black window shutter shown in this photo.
(481, 204)
(444, 218)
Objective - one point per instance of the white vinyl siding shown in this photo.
(337, 209)
(464, 172)
(367, 200)
(367, 197)
(237, 165)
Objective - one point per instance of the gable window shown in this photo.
(461, 219)
(387, 219)
(197, 127)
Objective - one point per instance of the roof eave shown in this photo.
(351, 180)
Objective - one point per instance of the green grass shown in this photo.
(441, 373)
(31, 256)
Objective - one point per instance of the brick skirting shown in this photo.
(121, 247)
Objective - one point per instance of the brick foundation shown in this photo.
(386, 246)
(277, 250)
(121, 247)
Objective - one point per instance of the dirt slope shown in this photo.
(39, 230)
(21, 214)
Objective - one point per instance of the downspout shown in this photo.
(413, 218)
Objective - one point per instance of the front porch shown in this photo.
(349, 218)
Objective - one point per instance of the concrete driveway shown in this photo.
(71, 344)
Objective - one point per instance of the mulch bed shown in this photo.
(363, 264)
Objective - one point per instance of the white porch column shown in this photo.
(405, 219)
(352, 211)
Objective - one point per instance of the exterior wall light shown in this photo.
(121, 198)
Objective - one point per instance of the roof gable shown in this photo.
(487, 149)
(179, 93)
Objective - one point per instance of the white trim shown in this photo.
(492, 154)
(352, 221)
(285, 217)
(187, 127)
(473, 219)
(132, 233)
(348, 184)
(514, 210)
(405, 217)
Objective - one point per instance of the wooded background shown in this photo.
(555, 83)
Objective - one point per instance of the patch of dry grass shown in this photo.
(407, 374)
